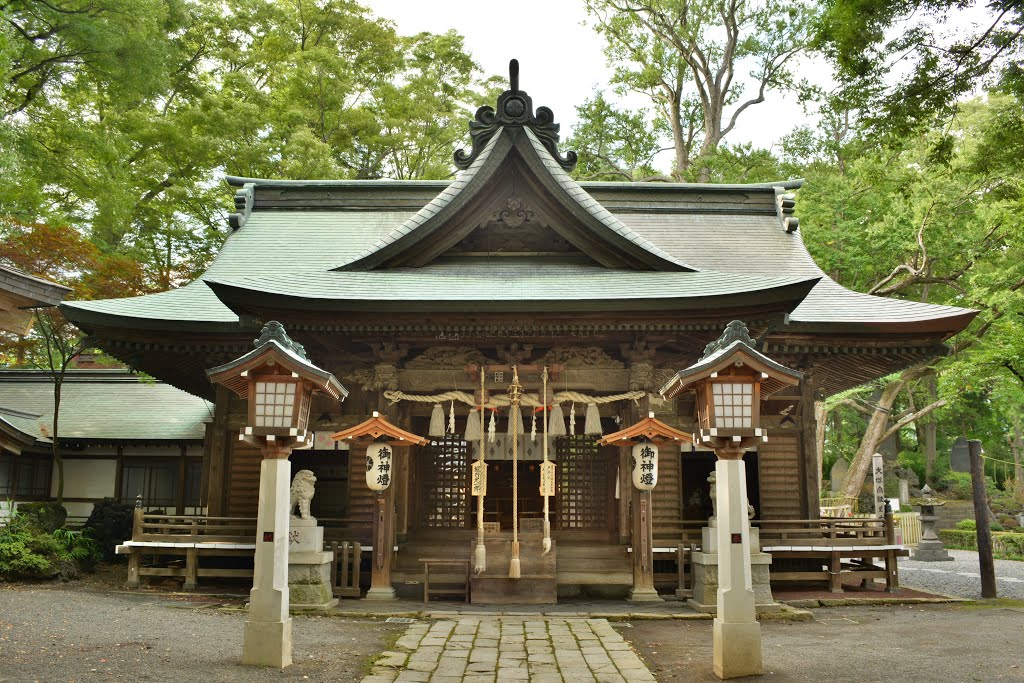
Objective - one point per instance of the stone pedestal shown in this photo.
(268, 631)
(309, 567)
(930, 548)
(705, 573)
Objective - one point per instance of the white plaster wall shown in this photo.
(86, 479)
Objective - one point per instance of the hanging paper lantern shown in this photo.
(645, 466)
(378, 466)
(592, 426)
(436, 429)
(556, 425)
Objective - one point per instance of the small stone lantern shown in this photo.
(930, 548)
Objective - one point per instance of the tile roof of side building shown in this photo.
(731, 229)
(102, 405)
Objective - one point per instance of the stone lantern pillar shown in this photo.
(730, 381)
(278, 382)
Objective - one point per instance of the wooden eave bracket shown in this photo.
(649, 428)
(376, 427)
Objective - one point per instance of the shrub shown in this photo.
(1004, 544)
(46, 517)
(27, 552)
(971, 525)
(109, 524)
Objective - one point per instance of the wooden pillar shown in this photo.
(808, 440)
(383, 540)
(216, 454)
(642, 529)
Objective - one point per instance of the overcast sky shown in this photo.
(560, 56)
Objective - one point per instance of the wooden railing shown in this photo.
(176, 546)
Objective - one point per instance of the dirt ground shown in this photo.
(905, 643)
(91, 630)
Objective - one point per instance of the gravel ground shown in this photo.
(960, 577)
(67, 632)
(905, 643)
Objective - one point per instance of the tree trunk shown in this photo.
(1017, 445)
(930, 433)
(877, 427)
(58, 459)
(820, 416)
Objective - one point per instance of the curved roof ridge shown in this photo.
(431, 209)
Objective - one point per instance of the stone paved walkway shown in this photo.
(497, 649)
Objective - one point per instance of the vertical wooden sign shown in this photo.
(478, 477)
(547, 478)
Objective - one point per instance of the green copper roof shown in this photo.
(102, 405)
(503, 284)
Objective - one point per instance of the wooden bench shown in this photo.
(838, 548)
(462, 588)
(191, 538)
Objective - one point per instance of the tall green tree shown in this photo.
(702, 64)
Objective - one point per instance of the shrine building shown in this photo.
(405, 290)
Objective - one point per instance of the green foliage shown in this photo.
(120, 117)
(1006, 545)
(910, 62)
(109, 523)
(28, 552)
(971, 525)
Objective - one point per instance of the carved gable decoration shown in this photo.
(445, 358)
(581, 356)
(514, 228)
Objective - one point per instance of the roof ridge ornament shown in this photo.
(733, 332)
(274, 331)
(514, 109)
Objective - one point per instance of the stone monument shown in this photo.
(705, 565)
(838, 474)
(930, 549)
(309, 565)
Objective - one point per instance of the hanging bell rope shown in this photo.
(436, 428)
(480, 552)
(545, 470)
(515, 392)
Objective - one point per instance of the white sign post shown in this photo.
(878, 484)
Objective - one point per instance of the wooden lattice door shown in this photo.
(582, 484)
(444, 473)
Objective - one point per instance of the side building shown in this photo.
(120, 437)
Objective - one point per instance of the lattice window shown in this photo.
(445, 476)
(582, 483)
